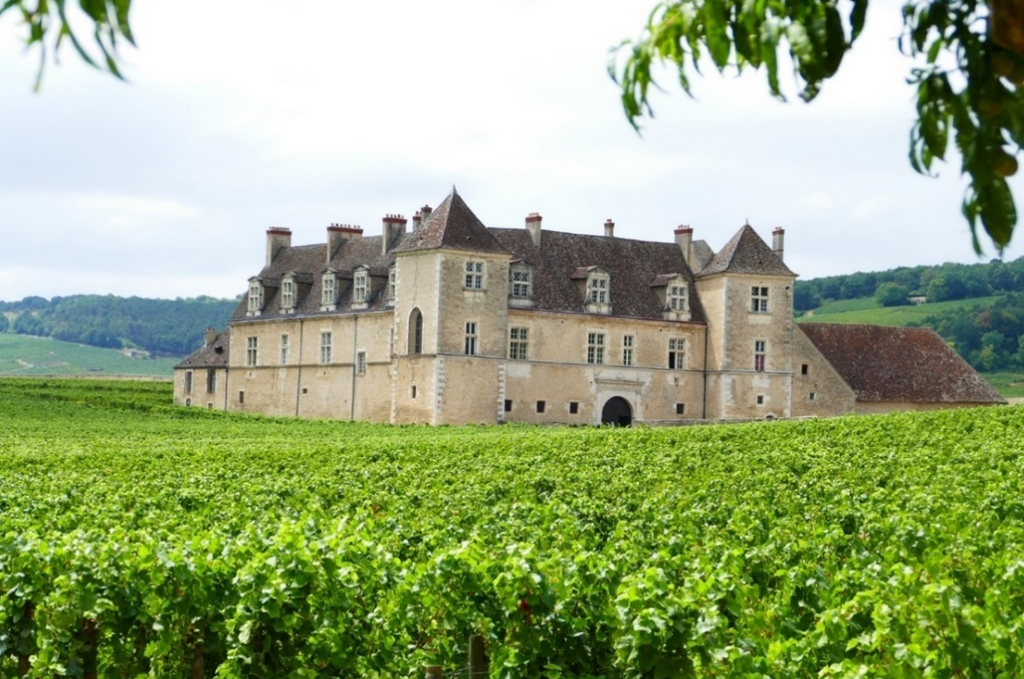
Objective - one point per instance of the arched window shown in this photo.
(415, 332)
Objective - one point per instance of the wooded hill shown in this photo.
(986, 328)
(171, 327)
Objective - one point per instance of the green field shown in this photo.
(141, 539)
(27, 355)
(866, 310)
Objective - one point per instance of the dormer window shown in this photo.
(520, 284)
(361, 286)
(287, 294)
(677, 297)
(599, 292)
(330, 288)
(392, 285)
(255, 298)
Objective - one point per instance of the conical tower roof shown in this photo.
(451, 225)
(747, 253)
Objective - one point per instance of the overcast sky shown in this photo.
(242, 115)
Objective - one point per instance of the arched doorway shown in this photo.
(618, 412)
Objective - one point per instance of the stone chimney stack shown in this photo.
(609, 228)
(337, 234)
(684, 239)
(417, 219)
(393, 226)
(425, 211)
(778, 237)
(533, 226)
(278, 237)
(209, 336)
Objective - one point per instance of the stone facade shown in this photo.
(455, 323)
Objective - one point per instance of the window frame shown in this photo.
(329, 290)
(471, 337)
(287, 293)
(286, 347)
(760, 355)
(255, 297)
(360, 363)
(186, 382)
(627, 350)
(326, 346)
(361, 286)
(595, 347)
(759, 299)
(518, 343)
(677, 297)
(599, 289)
(521, 281)
(252, 347)
(474, 274)
(677, 353)
(392, 285)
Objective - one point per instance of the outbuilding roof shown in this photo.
(899, 364)
(212, 355)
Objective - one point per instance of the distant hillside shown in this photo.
(169, 327)
(22, 355)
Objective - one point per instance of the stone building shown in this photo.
(452, 322)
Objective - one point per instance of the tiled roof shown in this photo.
(212, 355)
(702, 255)
(899, 364)
(309, 262)
(747, 253)
(631, 264)
(451, 225)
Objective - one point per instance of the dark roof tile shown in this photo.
(451, 225)
(212, 355)
(747, 253)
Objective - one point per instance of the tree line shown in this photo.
(893, 287)
(160, 326)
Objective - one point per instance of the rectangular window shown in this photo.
(627, 350)
(595, 348)
(211, 381)
(759, 354)
(677, 297)
(250, 351)
(517, 344)
(287, 294)
(391, 285)
(187, 384)
(680, 408)
(361, 363)
(541, 405)
(759, 300)
(471, 338)
(811, 396)
(521, 283)
(241, 396)
(360, 287)
(255, 296)
(677, 353)
(328, 296)
(574, 407)
(325, 347)
(760, 400)
(285, 348)
(508, 405)
(803, 369)
(475, 275)
(597, 289)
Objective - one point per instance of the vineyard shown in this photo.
(140, 539)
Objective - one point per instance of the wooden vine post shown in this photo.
(478, 665)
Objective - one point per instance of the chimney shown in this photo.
(425, 211)
(336, 233)
(278, 237)
(609, 228)
(393, 225)
(417, 219)
(684, 239)
(209, 336)
(778, 236)
(533, 226)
